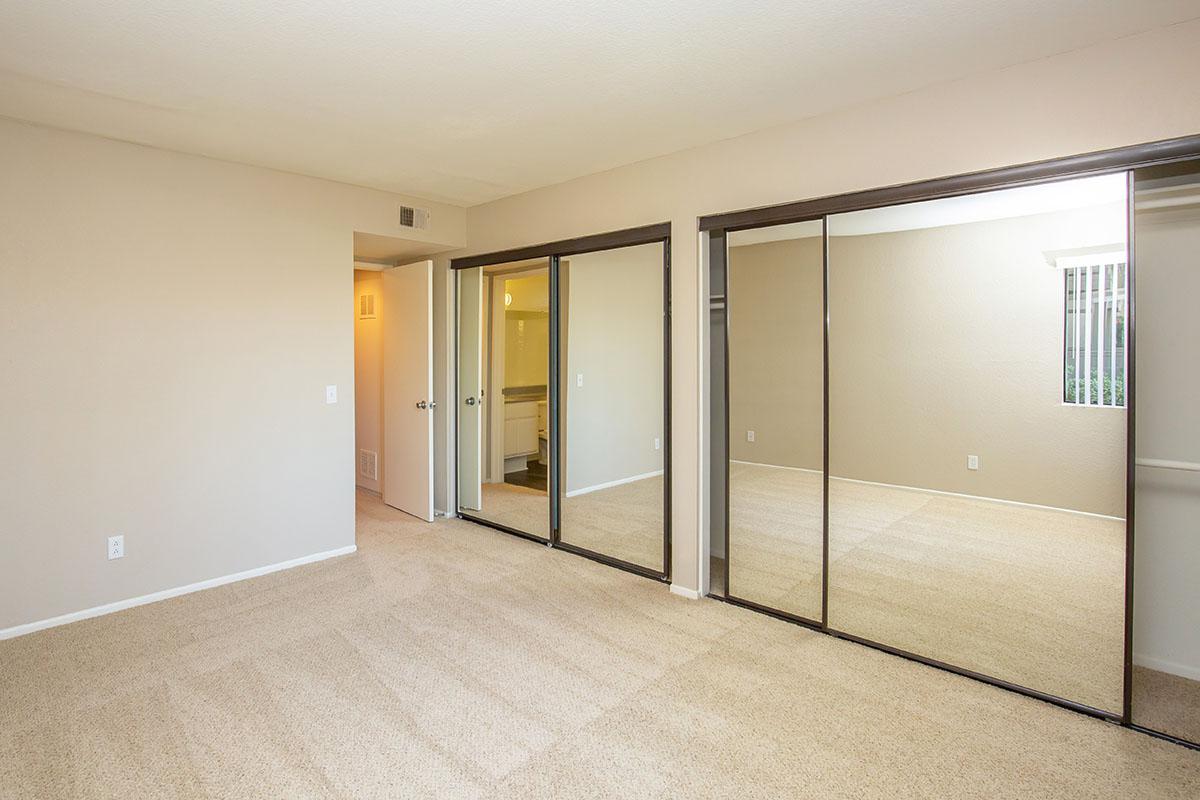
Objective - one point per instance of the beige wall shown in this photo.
(614, 340)
(368, 375)
(947, 341)
(170, 323)
(776, 341)
(1051, 107)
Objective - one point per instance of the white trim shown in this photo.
(937, 491)
(165, 594)
(610, 484)
(683, 591)
(774, 466)
(1163, 463)
(979, 497)
(1163, 665)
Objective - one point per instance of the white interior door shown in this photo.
(408, 405)
(470, 389)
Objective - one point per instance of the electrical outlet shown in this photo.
(972, 462)
(331, 394)
(579, 380)
(116, 547)
(749, 436)
(657, 443)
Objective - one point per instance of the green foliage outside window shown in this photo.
(1094, 396)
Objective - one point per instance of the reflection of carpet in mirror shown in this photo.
(1167, 703)
(517, 507)
(1029, 595)
(624, 522)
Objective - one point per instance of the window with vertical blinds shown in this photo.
(1096, 314)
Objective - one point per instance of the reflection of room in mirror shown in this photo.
(503, 364)
(611, 340)
(976, 515)
(776, 416)
(976, 504)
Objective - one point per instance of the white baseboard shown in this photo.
(610, 484)
(979, 497)
(683, 591)
(1171, 667)
(936, 491)
(132, 602)
(774, 466)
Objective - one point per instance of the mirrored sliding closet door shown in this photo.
(611, 397)
(978, 433)
(776, 318)
(503, 402)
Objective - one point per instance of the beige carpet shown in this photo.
(1167, 703)
(1032, 596)
(624, 521)
(449, 660)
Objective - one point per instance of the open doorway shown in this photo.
(393, 371)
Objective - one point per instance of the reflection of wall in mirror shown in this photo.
(526, 330)
(614, 340)
(526, 345)
(944, 342)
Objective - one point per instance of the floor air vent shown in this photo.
(368, 464)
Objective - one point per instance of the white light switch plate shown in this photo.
(657, 443)
(579, 380)
(331, 394)
(749, 436)
(972, 462)
(116, 547)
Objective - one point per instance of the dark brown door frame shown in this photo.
(555, 251)
(1123, 159)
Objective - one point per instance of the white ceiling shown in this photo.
(373, 247)
(470, 101)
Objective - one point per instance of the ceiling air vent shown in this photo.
(415, 218)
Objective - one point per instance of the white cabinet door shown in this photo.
(520, 436)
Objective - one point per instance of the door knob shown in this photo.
(422, 404)
(470, 401)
